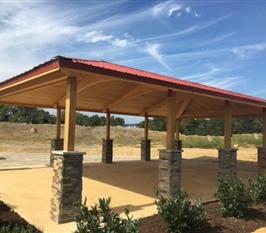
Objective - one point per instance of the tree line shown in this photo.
(203, 127)
(29, 115)
(194, 126)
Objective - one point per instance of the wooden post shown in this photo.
(58, 122)
(227, 125)
(146, 127)
(177, 129)
(108, 123)
(264, 128)
(70, 114)
(171, 113)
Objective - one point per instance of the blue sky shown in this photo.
(217, 43)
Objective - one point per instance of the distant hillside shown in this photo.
(43, 133)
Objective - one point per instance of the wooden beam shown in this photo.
(70, 114)
(227, 125)
(58, 122)
(182, 108)
(264, 127)
(108, 123)
(146, 127)
(155, 107)
(171, 113)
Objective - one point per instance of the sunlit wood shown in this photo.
(70, 114)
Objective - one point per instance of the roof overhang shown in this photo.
(105, 86)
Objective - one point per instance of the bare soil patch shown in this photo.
(254, 219)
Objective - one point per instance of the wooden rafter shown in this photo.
(154, 107)
(83, 84)
(136, 91)
(31, 84)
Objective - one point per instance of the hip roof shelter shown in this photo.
(98, 86)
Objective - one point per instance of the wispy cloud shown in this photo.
(154, 51)
(171, 8)
(213, 76)
(190, 30)
(192, 12)
(94, 37)
(249, 50)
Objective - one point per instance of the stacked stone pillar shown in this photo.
(56, 144)
(169, 172)
(107, 151)
(261, 160)
(146, 149)
(227, 164)
(66, 186)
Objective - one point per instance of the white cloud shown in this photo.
(120, 43)
(188, 9)
(166, 8)
(94, 37)
(192, 12)
(249, 50)
(173, 9)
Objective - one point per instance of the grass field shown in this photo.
(22, 134)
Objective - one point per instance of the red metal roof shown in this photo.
(192, 86)
(124, 72)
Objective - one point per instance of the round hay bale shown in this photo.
(34, 130)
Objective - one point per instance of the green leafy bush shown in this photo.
(258, 188)
(180, 214)
(101, 219)
(18, 229)
(234, 198)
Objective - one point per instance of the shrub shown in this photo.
(18, 229)
(234, 198)
(180, 214)
(258, 188)
(101, 219)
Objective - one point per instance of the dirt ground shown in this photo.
(130, 183)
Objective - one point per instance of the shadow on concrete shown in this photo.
(199, 175)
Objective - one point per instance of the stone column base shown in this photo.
(107, 151)
(56, 144)
(227, 164)
(146, 150)
(261, 160)
(66, 186)
(178, 144)
(169, 172)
